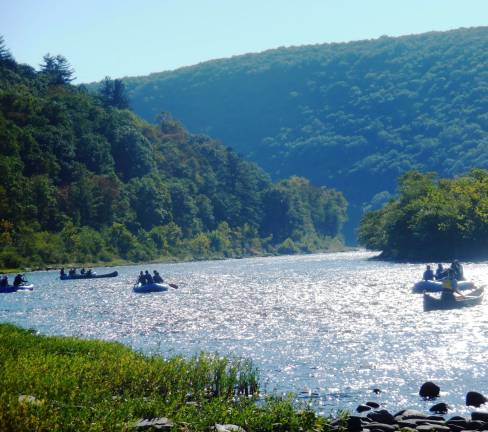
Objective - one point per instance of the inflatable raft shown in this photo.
(436, 286)
(152, 287)
(88, 276)
(11, 288)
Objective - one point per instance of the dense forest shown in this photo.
(431, 219)
(85, 180)
(354, 115)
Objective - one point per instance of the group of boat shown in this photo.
(438, 296)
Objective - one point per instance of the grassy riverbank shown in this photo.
(81, 385)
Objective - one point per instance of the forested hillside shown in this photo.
(431, 219)
(350, 115)
(83, 180)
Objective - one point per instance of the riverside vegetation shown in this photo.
(353, 116)
(85, 180)
(60, 383)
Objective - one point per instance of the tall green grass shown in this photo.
(82, 385)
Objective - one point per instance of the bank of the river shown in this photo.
(68, 384)
(334, 248)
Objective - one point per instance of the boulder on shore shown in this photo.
(429, 390)
(475, 399)
(440, 408)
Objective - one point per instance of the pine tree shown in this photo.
(5, 55)
(113, 94)
(57, 69)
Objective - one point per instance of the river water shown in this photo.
(327, 327)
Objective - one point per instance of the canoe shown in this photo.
(92, 276)
(454, 301)
(153, 287)
(11, 288)
(436, 286)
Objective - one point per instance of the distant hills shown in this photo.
(353, 116)
(83, 181)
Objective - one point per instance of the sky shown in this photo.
(120, 38)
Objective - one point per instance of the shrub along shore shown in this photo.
(67, 384)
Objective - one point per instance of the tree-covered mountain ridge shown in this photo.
(85, 181)
(351, 115)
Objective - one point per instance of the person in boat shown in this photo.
(89, 272)
(428, 274)
(62, 272)
(4, 281)
(457, 268)
(440, 273)
(19, 280)
(449, 286)
(148, 277)
(142, 278)
(72, 271)
(157, 277)
(82, 271)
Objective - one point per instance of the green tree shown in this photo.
(57, 69)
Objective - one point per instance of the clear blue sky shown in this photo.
(127, 37)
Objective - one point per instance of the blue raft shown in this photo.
(436, 286)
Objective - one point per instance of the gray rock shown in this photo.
(475, 425)
(480, 415)
(456, 428)
(432, 427)
(161, 423)
(354, 424)
(434, 422)
(440, 408)
(436, 417)
(362, 408)
(429, 390)
(475, 399)
(376, 391)
(381, 416)
(458, 423)
(382, 427)
(412, 414)
(228, 428)
(407, 424)
(372, 404)
(30, 400)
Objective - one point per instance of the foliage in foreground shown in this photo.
(99, 386)
(431, 219)
(84, 181)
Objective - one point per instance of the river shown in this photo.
(328, 327)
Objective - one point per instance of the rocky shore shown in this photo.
(371, 418)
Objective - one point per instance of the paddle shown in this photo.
(173, 286)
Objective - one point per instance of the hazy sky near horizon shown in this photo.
(127, 37)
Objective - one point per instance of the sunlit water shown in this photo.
(328, 327)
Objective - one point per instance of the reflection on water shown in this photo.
(330, 328)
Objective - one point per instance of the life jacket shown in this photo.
(447, 284)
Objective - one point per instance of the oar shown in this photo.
(173, 286)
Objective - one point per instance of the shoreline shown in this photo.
(54, 380)
(169, 260)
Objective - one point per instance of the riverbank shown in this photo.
(334, 248)
(61, 383)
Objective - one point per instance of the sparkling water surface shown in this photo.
(327, 327)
